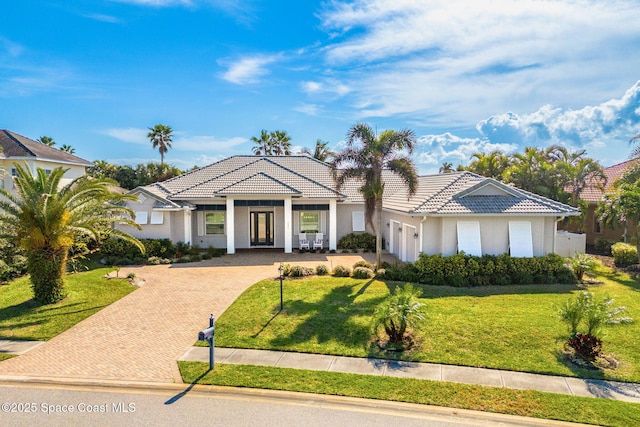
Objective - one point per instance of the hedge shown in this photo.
(465, 270)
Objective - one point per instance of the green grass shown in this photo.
(489, 399)
(23, 319)
(510, 327)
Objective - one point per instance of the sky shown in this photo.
(465, 76)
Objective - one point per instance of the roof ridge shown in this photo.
(254, 175)
(10, 134)
(439, 192)
(307, 178)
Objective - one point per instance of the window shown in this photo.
(214, 222)
(14, 173)
(357, 221)
(141, 217)
(310, 222)
(157, 217)
(469, 240)
(47, 172)
(520, 239)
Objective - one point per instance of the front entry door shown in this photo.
(261, 228)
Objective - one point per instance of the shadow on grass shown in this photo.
(625, 279)
(586, 373)
(433, 291)
(332, 318)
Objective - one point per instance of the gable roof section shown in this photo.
(593, 193)
(20, 147)
(460, 194)
(300, 176)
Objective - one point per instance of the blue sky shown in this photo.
(465, 76)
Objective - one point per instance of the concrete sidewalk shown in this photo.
(18, 347)
(628, 392)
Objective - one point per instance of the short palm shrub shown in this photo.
(341, 271)
(301, 271)
(582, 264)
(322, 270)
(585, 317)
(363, 273)
(624, 254)
(397, 315)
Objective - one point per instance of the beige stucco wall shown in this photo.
(74, 171)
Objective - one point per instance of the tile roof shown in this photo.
(593, 193)
(15, 145)
(461, 193)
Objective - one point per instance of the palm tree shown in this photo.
(263, 144)
(364, 159)
(281, 143)
(67, 148)
(45, 219)
(636, 151)
(321, 151)
(446, 168)
(47, 140)
(160, 136)
(491, 165)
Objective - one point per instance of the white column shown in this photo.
(187, 225)
(333, 225)
(288, 227)
(230, 227)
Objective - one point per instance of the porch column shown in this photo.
(187, 225)
(230, 227)
(288, 227)
(333, 225)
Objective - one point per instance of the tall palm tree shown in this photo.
(67, 148)
(491, 165)
(47, 140)
(321, 151)
(160, 136)
(636, 151)
(45, 219)
(281, 143)
(365, 157)
(263, 144)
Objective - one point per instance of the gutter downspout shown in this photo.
(420, 238)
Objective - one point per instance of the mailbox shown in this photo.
(206, 335)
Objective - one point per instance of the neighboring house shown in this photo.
(593, 194)
(33, 154)
(246, 202)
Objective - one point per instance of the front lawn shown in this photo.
(489, 399)
(509, 327)
(23, 319)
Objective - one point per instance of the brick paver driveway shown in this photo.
(141, 336)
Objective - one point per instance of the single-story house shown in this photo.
(245, 202)
(15, 148)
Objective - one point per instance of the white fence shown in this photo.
(567, 244)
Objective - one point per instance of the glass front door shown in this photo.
(261, 228)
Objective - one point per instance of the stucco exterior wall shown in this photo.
(344, 224)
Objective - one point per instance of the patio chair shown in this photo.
(302, 241)
(317, 243)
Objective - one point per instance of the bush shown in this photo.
(586, 346)
(341, 271)
(300, 271)
(624, 254)
(113, 247)
(364, 264)
(216, 252)
(603, 246)
(363, 273)
(400, 311)
(182, 249)
(322, 270)
(582, 264)
(355, 241)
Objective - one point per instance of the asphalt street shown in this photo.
(64, 405)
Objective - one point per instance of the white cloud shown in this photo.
(454, 60)
(104, 18)
(132, 135)
(327, 86)
(247, 70)
(309, 109)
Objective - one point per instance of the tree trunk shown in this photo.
(378, 233)
(47, 267)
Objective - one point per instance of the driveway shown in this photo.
(140, 337)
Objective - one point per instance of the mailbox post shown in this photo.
(208, 335)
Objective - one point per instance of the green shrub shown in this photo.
(154, 260)
(364, 264)
(624, 254)
(286, 269)
(582, 264)
(399, 312)
(355, 241)
(603, 246)
(322, 270)
(341, 271)
(301, 271)
(182, 249)
(363, 273)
